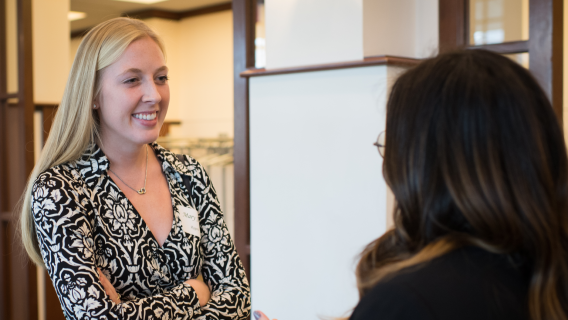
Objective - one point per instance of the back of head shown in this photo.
(75, 125)
(475, 155)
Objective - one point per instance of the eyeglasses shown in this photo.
(380, 143)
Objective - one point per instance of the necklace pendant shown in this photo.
(142, 191)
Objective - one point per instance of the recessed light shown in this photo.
(75, 15)
(142, 1)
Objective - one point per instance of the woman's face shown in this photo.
(134, 96)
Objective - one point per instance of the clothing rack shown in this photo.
(216, 156)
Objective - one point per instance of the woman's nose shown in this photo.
(151, 93)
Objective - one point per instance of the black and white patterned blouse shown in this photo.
(84, 221)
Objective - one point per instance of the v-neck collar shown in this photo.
(93, 163)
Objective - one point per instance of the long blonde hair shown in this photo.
(75, 125)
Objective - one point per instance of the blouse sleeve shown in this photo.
(222, 268)
(64, 221)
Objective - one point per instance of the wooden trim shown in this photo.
(545, 48)
(466, 23)
(48, 112)
(452, 30)
(506, 47)
(206, 10)
(177, 15)
(25, 80)
(3, 152)
(165, 14)
(4, 207)
(367, 62)
(243, 53)
(165, 130)
(79, 33)
(153, 13)
(25, 295)
(6, 96)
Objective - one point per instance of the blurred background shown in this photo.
(280, 100)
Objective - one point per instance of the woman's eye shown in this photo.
(163, 79)
(132, 80)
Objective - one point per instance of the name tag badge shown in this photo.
(189, 220)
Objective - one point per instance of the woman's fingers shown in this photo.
(201, 289)
(109, 289)
(259, 315)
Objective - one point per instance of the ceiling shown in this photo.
(100, 10)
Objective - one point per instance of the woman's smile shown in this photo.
(146, 118)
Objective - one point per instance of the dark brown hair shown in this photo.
(475, 156)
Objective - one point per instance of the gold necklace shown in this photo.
(143, 190)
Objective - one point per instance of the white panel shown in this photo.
(317, 191)
(427, 30)
(306, 32)
(407, 28)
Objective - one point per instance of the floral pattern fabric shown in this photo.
(83, 221)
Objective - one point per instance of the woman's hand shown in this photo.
(259, 315)
(109, 289)
(202, 290)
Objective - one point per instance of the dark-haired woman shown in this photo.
(476, 159)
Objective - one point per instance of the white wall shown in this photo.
(305, 32)
(206, 75)
(317, 192)
(407, 28)
(50, 49)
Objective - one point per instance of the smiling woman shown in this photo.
(122, 225)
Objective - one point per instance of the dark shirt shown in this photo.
(468, 283)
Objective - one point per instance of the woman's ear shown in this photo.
(96, 104)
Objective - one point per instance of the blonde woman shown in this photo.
(107, 210)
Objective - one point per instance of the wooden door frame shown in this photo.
(16, 302)
(545, 44)
(243, 46)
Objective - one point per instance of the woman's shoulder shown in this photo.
(468, 283)
(62, 181)
(183, 163)
(392, 300)
(67, 172)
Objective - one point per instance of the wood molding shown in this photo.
(79, 33)
(367, 62)
(165, 14)
(206, 10)
(452, 24)
(546, 48)
(5, 291)
(165, 129)
(506, 47)
(177, 15)
(243, 53)
(6, 96)
(24, 300)
(48, 110)
(153, 13)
